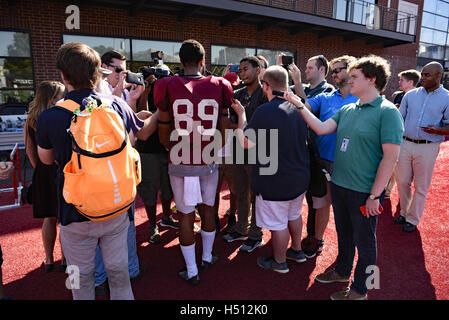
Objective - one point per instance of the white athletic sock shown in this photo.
(208, 242)
(189, 257)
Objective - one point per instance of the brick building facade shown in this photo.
(45, 21)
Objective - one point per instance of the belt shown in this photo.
(417, 141)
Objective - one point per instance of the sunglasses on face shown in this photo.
(337, 70)
(116, 68)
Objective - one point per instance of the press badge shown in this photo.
(344, 144)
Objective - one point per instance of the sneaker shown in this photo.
(170, 223)
(314, 247)
(250, 245)
(408, 227)
(348, 294)
(207, 265)
(399, 220)
(331, 276)
(294, 255)
(194, 281)
(234, 237)
(271, 264)
(155, 238)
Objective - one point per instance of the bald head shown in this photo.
(434, 67)
(431, 75)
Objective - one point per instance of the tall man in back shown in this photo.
(192, 105)
(426, 121)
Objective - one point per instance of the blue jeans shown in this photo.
(133, 260)
(354, 230)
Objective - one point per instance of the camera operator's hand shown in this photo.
(121, 85)
(295, 73)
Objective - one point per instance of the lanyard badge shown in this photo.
(344, 144)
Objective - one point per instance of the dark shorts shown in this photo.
(154, 178)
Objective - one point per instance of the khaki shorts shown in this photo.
(275, 215)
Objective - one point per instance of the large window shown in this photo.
(136, 51)
(434, 30)
(16, 71)
(224, 55)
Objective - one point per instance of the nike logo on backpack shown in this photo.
(100, 145)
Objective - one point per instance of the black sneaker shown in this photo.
(294, 255)
(399, 220)
(170, 223)
(207, 265)
(250, 245)
(271, 264)
(314, 247)
(194, 281)
(234, 237)
(155, 238)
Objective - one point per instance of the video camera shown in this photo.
(156, 67)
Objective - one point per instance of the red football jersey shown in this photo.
(194, 105)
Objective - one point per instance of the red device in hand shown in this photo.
(363, 209)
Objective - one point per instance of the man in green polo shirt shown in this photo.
(369, 134)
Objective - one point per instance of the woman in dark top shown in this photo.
(44, 186)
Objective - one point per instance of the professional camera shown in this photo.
(156, 67)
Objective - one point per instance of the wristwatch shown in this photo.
(373, 197)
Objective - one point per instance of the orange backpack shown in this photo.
(101, 178)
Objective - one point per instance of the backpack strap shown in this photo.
(69, 105)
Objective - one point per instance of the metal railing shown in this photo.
(355, 11)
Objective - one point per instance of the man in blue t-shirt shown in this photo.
(279, 184)
(80, 71)
(324, 106)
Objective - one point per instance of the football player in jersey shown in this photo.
(192, 107)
